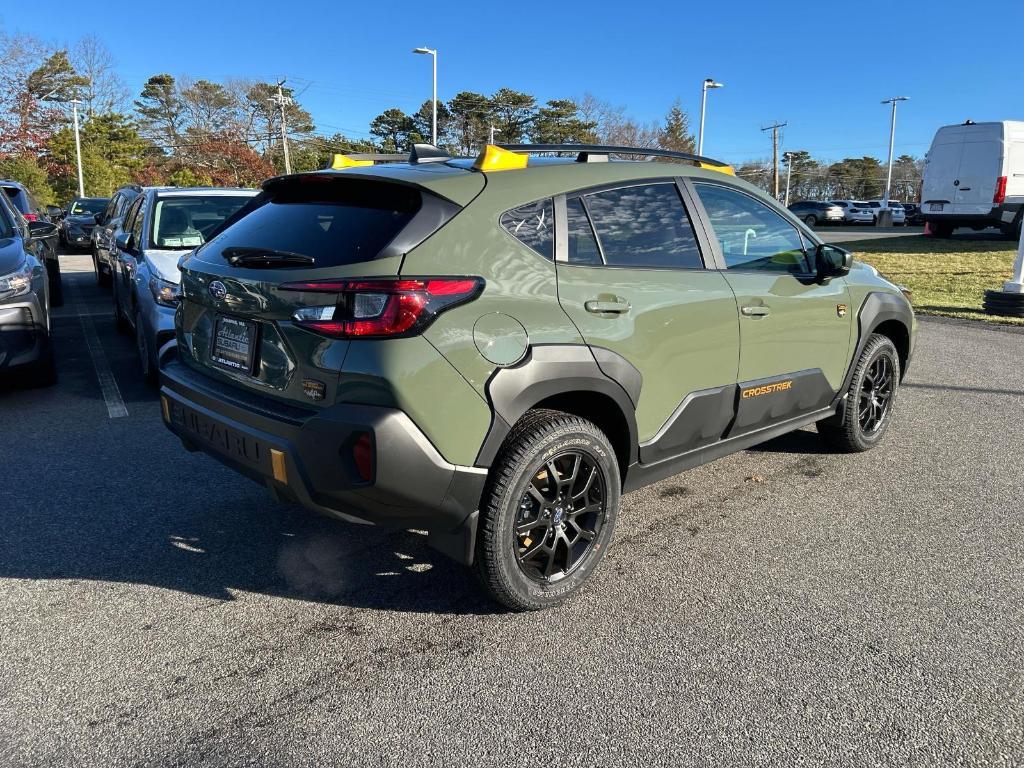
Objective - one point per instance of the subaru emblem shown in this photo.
(218, 290)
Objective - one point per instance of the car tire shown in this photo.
(54, 282)
(145, 356)
(102, 278)
(120, 321)
(810, 220)
(532, 549)
(870, 399)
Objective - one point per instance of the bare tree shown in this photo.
(104, 91)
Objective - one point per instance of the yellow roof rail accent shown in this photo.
(720, 168)
(494, 158)
(344, 161)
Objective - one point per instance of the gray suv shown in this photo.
(160, 226)
(25, 348)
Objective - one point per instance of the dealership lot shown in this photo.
(778, 606)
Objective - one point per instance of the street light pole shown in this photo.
(708, 83)
(892, 141)
(493, 131)
(788, 157)
(78, 147)
(433, 118)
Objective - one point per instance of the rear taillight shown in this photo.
(31, 216)
(381, 308)
(1000, 194)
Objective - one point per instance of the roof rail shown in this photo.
(585, 150)
(340, 161)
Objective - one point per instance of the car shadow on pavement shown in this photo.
(215, 545)
(803, 441)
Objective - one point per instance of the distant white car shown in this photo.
(855, 211)
(899, 213)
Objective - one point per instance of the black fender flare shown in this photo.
(878, 307)
(556, 369)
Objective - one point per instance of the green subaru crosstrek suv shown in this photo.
(494, 351)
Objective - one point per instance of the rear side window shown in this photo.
(752, 235)
(335, 222)
(644, 226)
(6, 225)
(18, 199)
(533, 225)
(182, 223)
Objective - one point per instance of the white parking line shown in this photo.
(108, 384)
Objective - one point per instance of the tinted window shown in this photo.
(533, 225)
(108, 212)
(751, 234)
(582, 243)
(186, 222)
(6, 224)
(336, 221)
(19, 200)
(644, 226)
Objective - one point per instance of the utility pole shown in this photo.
(282, 101)
(493, 131)
(775, 154)
(78, 147)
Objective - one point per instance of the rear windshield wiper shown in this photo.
(266, 258)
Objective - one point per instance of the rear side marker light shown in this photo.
(1000, 196)
(371, 308)
(277, 463)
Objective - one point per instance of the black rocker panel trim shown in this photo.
(763, 402)
(546, 371)
(639, 475)
(701, 419)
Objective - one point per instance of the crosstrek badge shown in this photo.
(313, 389)
(767, 389)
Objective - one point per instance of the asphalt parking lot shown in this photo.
(783, 606)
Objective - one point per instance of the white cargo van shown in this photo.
(974, 177)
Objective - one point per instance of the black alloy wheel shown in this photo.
(876, 394)
(560, 516)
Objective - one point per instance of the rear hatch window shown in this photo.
(333, 222)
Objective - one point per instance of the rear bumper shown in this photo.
(307, 456)
(1003, 215)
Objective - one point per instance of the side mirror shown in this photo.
(832, 261)
(125, 242)
(40, 230)
(54, 212)
(99, 217)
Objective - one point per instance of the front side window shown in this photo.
(644, 226)
(533, 225)
(140, 216)
(752, 235)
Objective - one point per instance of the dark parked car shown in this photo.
(107, 223)
(812, 212)
(78, 220)
(25, 348)
(28, 208)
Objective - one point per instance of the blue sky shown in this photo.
(823, 67)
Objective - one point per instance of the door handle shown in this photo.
(755, 311)
(615, 307)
